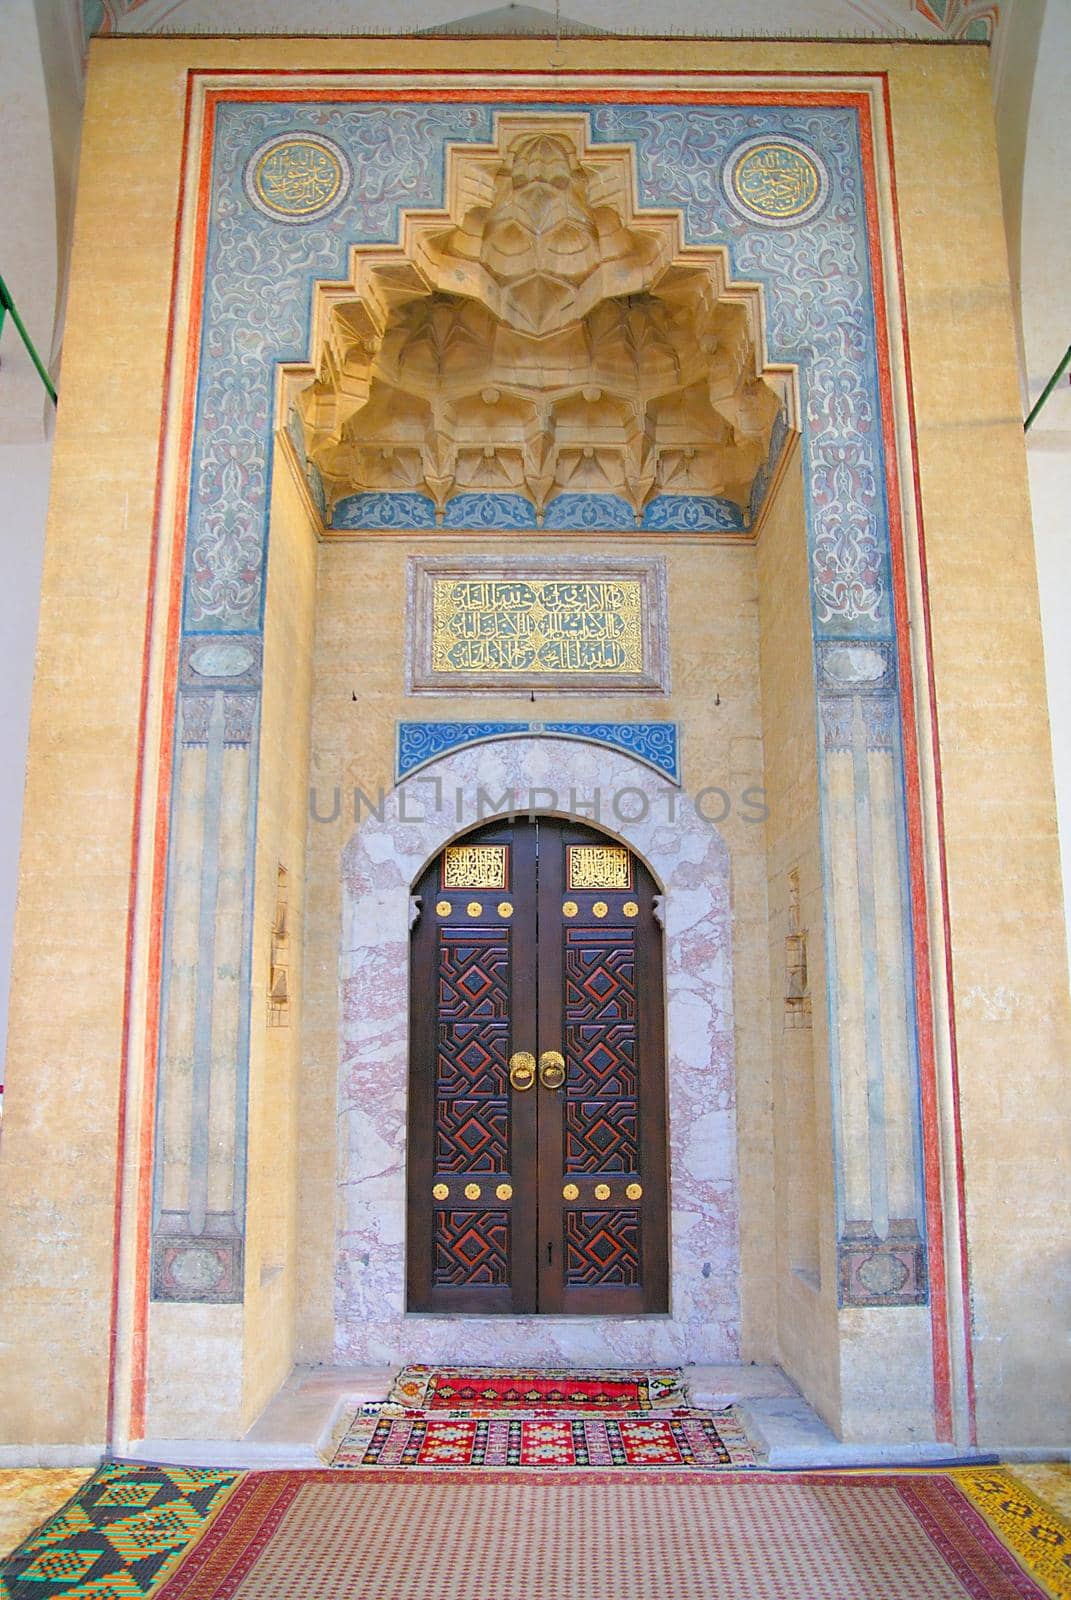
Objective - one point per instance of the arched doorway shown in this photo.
(537, 1103)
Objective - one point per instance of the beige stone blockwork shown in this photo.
(197, 1359)
(58, 1152)
(885, 1374)
(277, 1053)
(1007, 945)
(805, 1267)
(359, 652)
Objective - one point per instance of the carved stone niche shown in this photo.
(538, 336)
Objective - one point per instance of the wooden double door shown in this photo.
(537, 1122)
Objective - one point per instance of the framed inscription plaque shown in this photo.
(571, 625)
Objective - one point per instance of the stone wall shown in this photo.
(82, 1068)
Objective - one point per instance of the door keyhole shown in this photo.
(550, 1252)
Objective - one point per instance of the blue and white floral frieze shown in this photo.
(505, 513)
(654, 743)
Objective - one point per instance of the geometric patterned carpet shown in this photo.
(474, 1441)
(120, 1536)
(483, 1418)
(182, 1534)
(603, 1389)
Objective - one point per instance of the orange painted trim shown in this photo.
(161, 839)
(931, 690)
(135, 831)
(942, 1379)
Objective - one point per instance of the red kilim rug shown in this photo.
(535, 1388)
(475, 1440)
(729, 1536)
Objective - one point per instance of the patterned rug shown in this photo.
(473, 1439)
(120, 1536)
(528, 1388)
(171, 1534)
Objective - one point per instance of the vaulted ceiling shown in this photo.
(916, 19)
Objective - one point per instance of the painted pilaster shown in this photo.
(199, 1199)
(880, 1224)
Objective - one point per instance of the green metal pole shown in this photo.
(7, 304)
(1049, 387)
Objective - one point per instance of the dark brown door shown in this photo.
(537, 1127)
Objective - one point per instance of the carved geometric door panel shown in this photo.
(537, 1159)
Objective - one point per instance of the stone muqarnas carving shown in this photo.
(539, 336)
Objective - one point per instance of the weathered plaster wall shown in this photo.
(803, 1209)
(360, 644)
(58, 1152)
(1046, 317)
(271, 1264)
(1008, 955)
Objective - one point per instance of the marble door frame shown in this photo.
(690, 862)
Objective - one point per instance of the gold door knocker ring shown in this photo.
(522, 1069)
(551, 1069)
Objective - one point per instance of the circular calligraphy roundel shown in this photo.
(779, 181)
(297, 177)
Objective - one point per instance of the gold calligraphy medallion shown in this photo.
(779, 180)
(297, 178)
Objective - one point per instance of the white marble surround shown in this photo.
(690, 861)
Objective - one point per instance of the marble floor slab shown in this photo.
(30, 1494)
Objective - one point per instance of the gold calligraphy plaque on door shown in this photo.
(599, 866)
(475, 866)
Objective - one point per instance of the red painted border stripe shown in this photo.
(139, 1351)
(139, 784)
(942, 1379)
(931, 689)
(551, 96)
